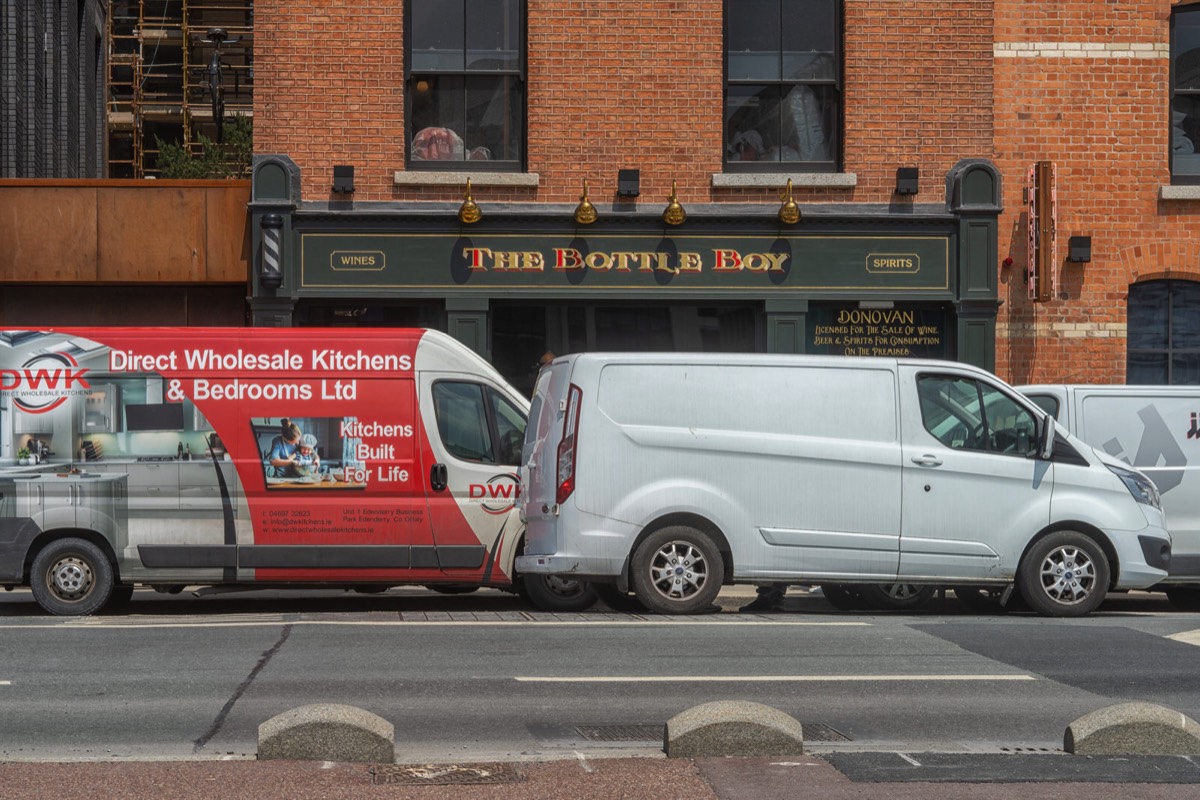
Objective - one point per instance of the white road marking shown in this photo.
(5, 683)
(765, 678)
(1187, 637)
(583, 762)
(909, 759)
(119, 625)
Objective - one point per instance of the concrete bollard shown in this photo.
(732, 728)
(1133, 729)
(327, 732)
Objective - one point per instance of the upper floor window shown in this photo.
(1163, 333)
(783, 98)
(1185, 94)
(465, 88)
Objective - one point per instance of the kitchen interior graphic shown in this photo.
(111, 456)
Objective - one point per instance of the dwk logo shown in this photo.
(1194, 431)
(498, 495)
(44, 382)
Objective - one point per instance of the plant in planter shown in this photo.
(23, 456)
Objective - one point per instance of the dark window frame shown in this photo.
(520, 76)
(1180, 178)
(1170, 350)
(837, 83)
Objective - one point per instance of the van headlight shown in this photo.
(1141, 487)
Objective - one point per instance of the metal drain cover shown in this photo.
(621, 733)
(445, 774)
(816, 732)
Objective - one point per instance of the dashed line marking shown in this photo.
(764, 678)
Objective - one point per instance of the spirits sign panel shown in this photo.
(762, 264)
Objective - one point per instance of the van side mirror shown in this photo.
(1045, 449)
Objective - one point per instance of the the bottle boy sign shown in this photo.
(767, 264)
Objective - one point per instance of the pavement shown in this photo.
(600, 779)
(829, 774)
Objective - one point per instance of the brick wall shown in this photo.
(618, 83)
(1086, 85)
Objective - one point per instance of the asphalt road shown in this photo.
(481, 677)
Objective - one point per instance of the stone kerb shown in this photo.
(732, 728)
(1133, 729)
(327, 732)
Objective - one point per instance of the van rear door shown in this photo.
(539, 467)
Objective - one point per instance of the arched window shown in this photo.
(1164, 333)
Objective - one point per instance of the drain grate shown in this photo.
(444, 774)
(621, 733)
(813, 732)
(816, 732)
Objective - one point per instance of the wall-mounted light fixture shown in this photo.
(789, 212)
(628, 182)
(1079, 249)
(673, 214)
(343, 179)
(907, 180)
(585, 212)
(270, 257)
(468, 212)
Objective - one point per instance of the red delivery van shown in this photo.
(298, 457)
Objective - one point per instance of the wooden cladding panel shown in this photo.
(48, 235)
(124, 232)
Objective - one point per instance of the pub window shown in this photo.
(1185, 94)
(1163, 333)
(465, 84)
(783, 99)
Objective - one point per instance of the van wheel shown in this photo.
(554, 593)
(897, 596)
(1064, 574)
(1184, 598)
(71, 577)
(844, 596)
(617, 600)
(677, 570)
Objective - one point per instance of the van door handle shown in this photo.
(927, 461)
(438, 477)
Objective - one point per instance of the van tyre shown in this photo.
(71, 577)
(677, 570)
(897, 596)
(558, 594)
(1064, 574)
(845, 596)
(617, 600)
(1184, 598)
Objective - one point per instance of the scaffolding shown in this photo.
(162, 76)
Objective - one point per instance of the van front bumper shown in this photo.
(1144, 558)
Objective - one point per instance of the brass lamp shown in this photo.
(585, 212)
(789, 212)
(469, 212)
(673, 214)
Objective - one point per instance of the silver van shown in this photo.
(673, 474)
(1157, 430)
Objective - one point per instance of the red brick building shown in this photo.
(906, 128)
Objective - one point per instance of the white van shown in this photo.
(257, 457)
(1157, 430)
(676, 473)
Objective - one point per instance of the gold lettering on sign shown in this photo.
(357, 260)
(893, 262)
